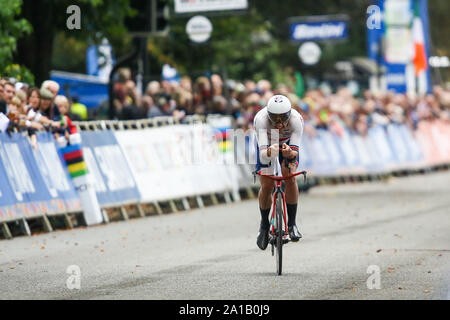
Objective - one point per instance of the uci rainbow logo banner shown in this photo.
(73, 156)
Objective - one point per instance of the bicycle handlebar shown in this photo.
(282, 178)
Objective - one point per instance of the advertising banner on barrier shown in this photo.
(81, 178)
(434, 142)
(174, 162)
(379, 140)
(55, 174)
(405, 148)
(351, 158)
(31, 196)
(320, 163)
(222, 128)
(7, 197)
(110, 174)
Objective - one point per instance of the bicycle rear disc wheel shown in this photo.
(279, 234)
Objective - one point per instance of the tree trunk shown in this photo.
(35, 50)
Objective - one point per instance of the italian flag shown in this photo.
(420, 55)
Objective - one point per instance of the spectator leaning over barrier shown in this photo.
(9, 92)
(183, 101)
(22, 96)
(46, 109)
(66, 127)
(153, 89)
(52, 86)
(33, 114)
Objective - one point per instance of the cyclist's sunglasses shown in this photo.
(279, 118)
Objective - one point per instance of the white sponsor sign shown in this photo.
(309, 53)
(398, 12)
(199, 29)
(187, 6)
(399, 45)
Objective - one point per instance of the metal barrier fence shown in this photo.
(160, 165)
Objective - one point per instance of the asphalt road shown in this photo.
(400, 228)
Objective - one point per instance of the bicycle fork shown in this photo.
(272, 222)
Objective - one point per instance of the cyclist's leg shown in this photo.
(265, 203)
(265, 200)
(291, 200)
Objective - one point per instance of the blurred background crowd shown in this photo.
(26, 108)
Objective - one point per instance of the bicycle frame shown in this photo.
(278, 189)
(278, 235)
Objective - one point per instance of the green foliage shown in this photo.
(252, 44)
(255, 44)
(12, 28)
(99, 19)
(19, 72)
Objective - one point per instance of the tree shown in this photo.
(99, 18)
(12, 28)
(255, 44)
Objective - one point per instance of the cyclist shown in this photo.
(279, 130)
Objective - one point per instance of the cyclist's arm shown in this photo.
(265, 151)
(296, 138)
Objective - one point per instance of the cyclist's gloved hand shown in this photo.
(286, 150)
(273, 150)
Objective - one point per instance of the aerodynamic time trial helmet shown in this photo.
(279, 109)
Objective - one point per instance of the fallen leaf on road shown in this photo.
(102, 250)
(426, 291)
(379, 250)
(42, 247)
(399, 288)
(12, 268)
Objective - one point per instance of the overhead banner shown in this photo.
(190, 6)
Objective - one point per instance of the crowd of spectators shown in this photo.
(30, 109)
(242, 100)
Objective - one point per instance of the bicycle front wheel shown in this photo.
(279, 233)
